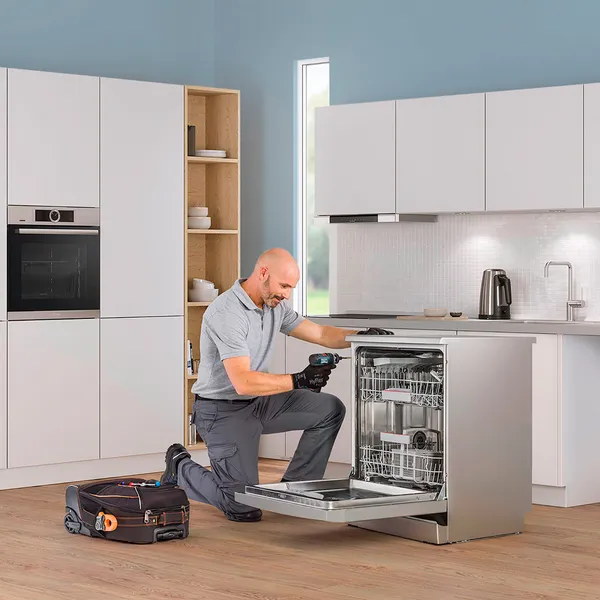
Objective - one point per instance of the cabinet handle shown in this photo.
(59, 231)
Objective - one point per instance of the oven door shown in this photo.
(342, 500)
(53, 271)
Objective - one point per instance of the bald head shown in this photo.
(278, 260)
(275, 275)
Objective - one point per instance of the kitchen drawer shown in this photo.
(341, 500)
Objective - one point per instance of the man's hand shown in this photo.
(375, 331)
(312, 377)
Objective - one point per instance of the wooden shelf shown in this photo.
(214, 184)
(207, 160)
(213, 231)
(195, 90)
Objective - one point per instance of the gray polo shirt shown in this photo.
(234, 326)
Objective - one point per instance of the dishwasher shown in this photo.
(441, 442)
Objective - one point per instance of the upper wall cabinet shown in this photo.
(3, 201)
(591, 132)
(354, 159)
(53, 139)
(142, 203)
(534, 149)
(440, 154)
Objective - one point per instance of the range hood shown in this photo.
(378, 218)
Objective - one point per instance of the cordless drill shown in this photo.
(324, 359)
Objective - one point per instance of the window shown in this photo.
(312, 236)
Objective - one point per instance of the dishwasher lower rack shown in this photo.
(401, 462)
(417, 384)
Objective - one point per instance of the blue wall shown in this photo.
(154, 40)
(380, 49)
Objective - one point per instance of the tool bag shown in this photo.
(138, 511)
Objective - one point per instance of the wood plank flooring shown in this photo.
(283, 558)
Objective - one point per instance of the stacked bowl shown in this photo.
(198, 217)
(203, 291)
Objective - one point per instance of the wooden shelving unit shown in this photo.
(214, 253)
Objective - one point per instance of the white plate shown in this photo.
(212, 153)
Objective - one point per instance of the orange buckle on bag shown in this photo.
(106, 522)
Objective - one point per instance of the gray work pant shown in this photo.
(232, 430)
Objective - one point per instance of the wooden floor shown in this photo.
(290, 559)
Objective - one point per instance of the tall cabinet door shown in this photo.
(142, 199)
(53, 379)
(440, 154)
(3, 423)
(53, 133)
(339, 384)
(355, 159)
(534, 149)
(3, 199)
(141, 383)
(591, 132)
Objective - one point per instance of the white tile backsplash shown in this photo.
(410, 266)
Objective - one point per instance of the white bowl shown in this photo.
(198, 211)
(435, 312)
(203, 294)
(199, 222)
(204, 284)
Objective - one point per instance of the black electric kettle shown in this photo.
(495, 296)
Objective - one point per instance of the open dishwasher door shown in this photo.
(341, 500)
(398, 428)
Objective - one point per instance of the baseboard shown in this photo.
(88, 470)
(549, 496)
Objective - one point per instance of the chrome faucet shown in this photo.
(571, 303)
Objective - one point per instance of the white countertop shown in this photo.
(510, 326)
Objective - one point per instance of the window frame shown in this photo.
(300, 301)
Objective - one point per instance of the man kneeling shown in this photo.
(237, 400)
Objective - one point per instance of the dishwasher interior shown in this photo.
(400, 418)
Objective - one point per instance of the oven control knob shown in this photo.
(54, 216)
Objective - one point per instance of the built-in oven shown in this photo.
(53, 265)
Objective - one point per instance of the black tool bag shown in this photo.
(138, 511)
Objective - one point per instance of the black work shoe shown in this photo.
(249, 517)
(174, 454)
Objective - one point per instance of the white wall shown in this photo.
(410, 266)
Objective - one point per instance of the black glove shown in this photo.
(313, 377)
(375, 331)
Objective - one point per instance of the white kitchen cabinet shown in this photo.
(53, 383)
(3, 198)
(591, 136)
(273, 445)
(141, 385)
(534, 149)
(3, 405)
(142, 199)
(440, 154)
(355, 159)
(339, 384)
(53, 139)
(547, 438)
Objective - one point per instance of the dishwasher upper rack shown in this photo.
(418, 384)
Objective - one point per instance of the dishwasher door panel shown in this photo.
(341, 500)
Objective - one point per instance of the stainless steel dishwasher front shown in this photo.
(441, 442)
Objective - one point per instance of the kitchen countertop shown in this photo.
(387, 321)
